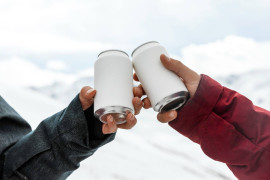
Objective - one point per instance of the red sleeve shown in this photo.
(229, 129)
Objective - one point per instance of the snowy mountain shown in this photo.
(255, 85)
(31, 105)
(150, 150)
(65, 92)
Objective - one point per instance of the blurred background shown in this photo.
(48, 48)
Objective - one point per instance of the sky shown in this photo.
(42, 41)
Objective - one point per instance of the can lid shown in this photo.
(172, 102)
(142, 45)
(118, 112)
(113, 50)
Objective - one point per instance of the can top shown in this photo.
(147, 43)
(111, 50)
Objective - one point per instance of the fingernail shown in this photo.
(89, 91)
(167, 58)
(171, 114)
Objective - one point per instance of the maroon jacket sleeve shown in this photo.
(229, 129)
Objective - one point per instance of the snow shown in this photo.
(150, 150)
(65, 92)
(253, 84)
(21, 72)
(31, 105)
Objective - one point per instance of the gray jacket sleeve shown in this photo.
(55, 149)
(12, 128)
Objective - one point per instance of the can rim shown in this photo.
(181, 95)
(112, 50)
(121, 110)
(142, 45)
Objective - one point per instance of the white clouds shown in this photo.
(56, 65)
(86, 72)
(69, 29)
(188, 12)
(31, 43)
(40, 26)
(232, 55)
(19, 72)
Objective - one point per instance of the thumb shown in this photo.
(178, 68)
(87, 97)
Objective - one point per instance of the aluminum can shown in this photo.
(113, 82)
(166, 91)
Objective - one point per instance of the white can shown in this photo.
(113, 82)
(165, 90)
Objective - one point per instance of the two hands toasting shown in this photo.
(161, 81)
(188, 76)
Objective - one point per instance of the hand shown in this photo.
(87, 95)
(190, 78)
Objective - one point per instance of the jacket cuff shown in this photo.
(198, 108)
(80, 130)
(94, 126)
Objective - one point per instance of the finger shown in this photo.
(138, 91)
(110, 127)
(146, 103)
(87, 97)
(135, 77)
(179, 68)
(138, 104)
(167, 116)
(131, 122)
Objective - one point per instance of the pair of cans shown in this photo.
(113, 80)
